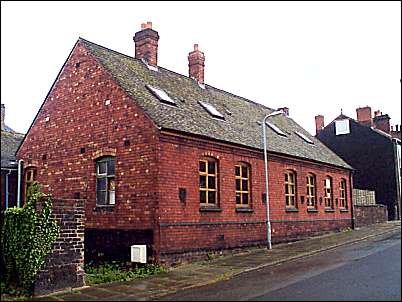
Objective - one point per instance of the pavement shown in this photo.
(211, 271)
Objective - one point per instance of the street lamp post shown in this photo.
(266, 174)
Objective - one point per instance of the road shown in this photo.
(366, 271)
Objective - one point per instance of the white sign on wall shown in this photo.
(342, 127)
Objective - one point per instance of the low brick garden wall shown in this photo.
(64, 267)
(370, 214)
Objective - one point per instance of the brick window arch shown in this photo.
(209, 185)
(243, 189)
(290, 189)
(311, 191)
(105, 181)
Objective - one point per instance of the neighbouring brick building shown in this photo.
(166, 160)
(10, 141)
(373, 148)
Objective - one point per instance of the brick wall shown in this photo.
(64, 267)
(186, 229)
(370, 214)
(81, 128)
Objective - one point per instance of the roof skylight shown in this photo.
(211, 110)
(304, 137)
(276, 129)
(161, 95)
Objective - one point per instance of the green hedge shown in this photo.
(26, 238)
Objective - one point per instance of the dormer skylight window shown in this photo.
(161, 95)
(202, 86)
(150, 67)
(304, 137)
(211, 110)
(276, 129)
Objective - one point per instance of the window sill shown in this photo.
(329, 210)
(210, 209)
(106, 208)
(344, 210)
(244, 210)
(312, 210)
(291, 210)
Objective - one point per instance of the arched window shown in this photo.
(311, 196)
(208, 172)
(290, 189)
(105, 181)
(343, 197)
(242, 178)
(328, 200)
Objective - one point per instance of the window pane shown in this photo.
(111, 185)
(244, 172)
(101, 197)
(238, 185)
(111, 197)
(245, 198)
(101, 184)
(203, 197)
(238, 198)
(286, 177)
(237, 171)
(101, 167)
(110, 167)
(211, 182)
(244, 185)
(286, 189)
(212, 197)
(291, 177)
(203, 166)
(203, 181)
(211, 167)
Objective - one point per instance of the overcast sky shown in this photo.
(315, 58)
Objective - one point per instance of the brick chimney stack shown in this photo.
(146, 44)
(196, 65)
(3, 113)
(364, 116)
(319, 123)
(381, 122)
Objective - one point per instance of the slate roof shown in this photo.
(242, 124)
(10, 140)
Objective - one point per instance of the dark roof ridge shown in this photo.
(182, 75)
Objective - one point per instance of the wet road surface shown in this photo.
(366, 271)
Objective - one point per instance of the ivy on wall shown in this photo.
(26, 238)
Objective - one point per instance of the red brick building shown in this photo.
(166, 160)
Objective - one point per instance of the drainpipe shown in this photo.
(7, 193)
(20, 161)
(352, 203)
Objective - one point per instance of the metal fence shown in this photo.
(363, 197)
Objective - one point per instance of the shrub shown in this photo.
(117, 271)
(26, 238)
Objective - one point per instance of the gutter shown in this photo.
(7, 192)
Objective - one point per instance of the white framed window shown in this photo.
(342, 127)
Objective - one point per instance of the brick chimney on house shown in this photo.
(319, 123)
(146, 44)
(381, 122)
(3, 112)
(364, 116)
(196, 65)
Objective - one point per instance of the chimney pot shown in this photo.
(285, 110)
(149, 24)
